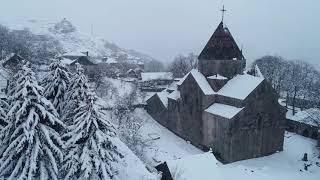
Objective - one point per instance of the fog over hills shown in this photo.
(72, 40)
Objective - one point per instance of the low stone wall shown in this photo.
(303, 129)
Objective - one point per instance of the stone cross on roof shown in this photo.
(223, 11)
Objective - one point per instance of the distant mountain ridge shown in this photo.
(73, 41)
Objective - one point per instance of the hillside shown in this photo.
(74, 41)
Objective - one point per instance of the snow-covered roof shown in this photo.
(309, 116)
(196, 167)
(74, 53)
(67, 61)
(163, 95)
(148, 76)
(217, 76)
(129, 71)
(11, 55)
(240, 86)
(174, 95)
(257, 71)
(223, 110)
(111, 61)
(173, 86)
(201, 80)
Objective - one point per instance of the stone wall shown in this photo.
(217, 84)
(256, 131)
(303, 129)
(174, 120)
(157, 110)
(190, 110)
(259, 131)
(226, 68)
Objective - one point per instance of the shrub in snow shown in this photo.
(129, 133)
(129, 124)
(91, 153)
(55, 84)
(75, 94)
(31, 145)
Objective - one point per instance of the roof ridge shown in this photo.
(201, 81)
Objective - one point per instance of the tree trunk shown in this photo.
(294, 101)
(287, 99)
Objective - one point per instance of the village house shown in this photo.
(72, 58)
(13, 62)
(221, 107)
(155, 81)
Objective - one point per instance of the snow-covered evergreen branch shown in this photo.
(56, 83)
(31, 143)
(92, 152)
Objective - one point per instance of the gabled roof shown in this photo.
(163, 96)
(221, 46)
(175, 95)
(196, 167)
(83, 60)
(223, 110)
(66, 61)
(13, 58)
(240, 86)
(201, 81)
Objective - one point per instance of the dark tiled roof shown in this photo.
(13, 59)
(221, 46)
(83, 60)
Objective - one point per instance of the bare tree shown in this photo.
(298, 81)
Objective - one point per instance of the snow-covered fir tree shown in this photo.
(92, 152)
(76, 93)
(31, 145)
(4, 107)
(56, 83)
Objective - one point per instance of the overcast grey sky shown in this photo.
(165, 28)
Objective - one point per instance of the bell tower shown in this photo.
(221, 55)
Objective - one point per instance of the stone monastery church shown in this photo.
(220, 106)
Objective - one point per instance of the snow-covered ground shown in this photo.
(283, 165)
(166, 145)
(132, 167)
(163, 145)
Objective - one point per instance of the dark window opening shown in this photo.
(314, 135)
(305, 133)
